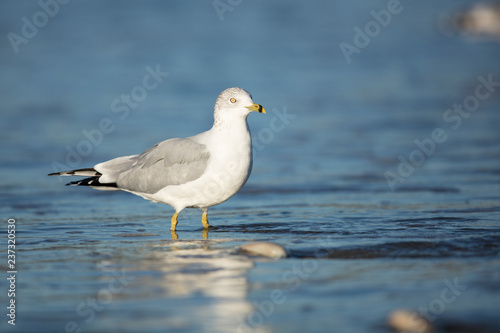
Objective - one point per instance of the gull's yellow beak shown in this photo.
(256, 107)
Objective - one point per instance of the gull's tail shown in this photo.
(92, 181)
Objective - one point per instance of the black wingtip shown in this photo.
(91, 181)
(78, 172)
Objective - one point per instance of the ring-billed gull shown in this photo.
(196, 172)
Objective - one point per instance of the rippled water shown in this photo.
(359, 246)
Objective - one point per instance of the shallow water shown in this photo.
(359, 247)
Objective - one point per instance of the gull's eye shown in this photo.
(232, 100)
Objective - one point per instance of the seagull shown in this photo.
(200, 171)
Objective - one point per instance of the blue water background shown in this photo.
(359, 247)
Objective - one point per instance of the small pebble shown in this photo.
(482, 19)
(265, 249)
(408, 322)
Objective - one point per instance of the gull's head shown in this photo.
(235, 102)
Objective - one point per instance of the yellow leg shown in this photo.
(204, 220)
(173, 222)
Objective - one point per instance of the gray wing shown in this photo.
(171, 162)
